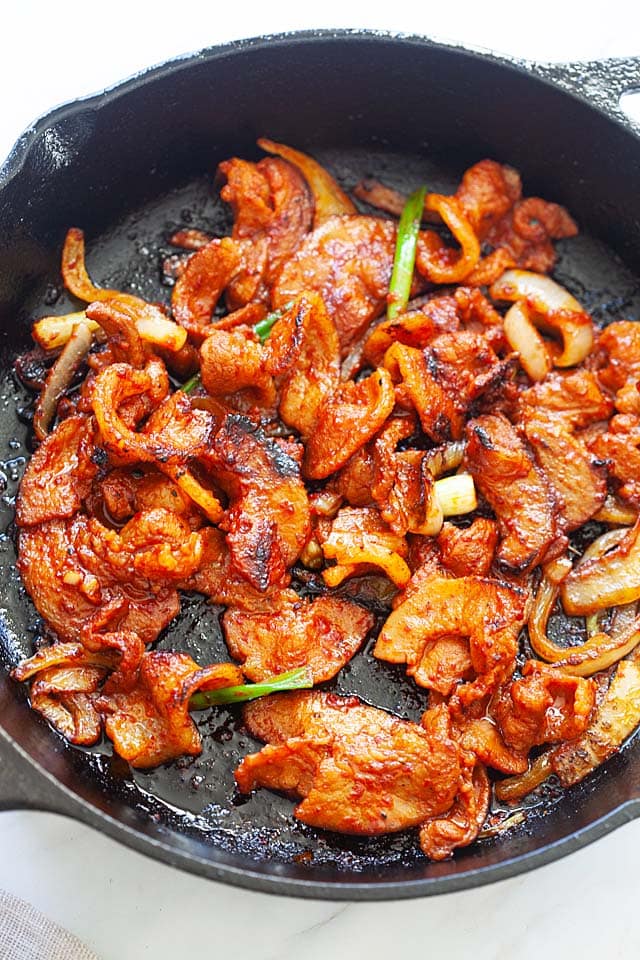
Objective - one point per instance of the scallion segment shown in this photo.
(299, 679)
(192, 384)
(405, 255)
(262, 329)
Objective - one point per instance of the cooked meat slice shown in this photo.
(574, 397)
(273, 210)
(353, 482)
(357, 539)
(576, 476)
(620, 446)
(469, 551)
(232, 361)
(59, 474)
(348, 261)
(440, 836)
(68, 582)
(402, 485)
(545, 706)
(416, 328)
(444, 381)
(323, 635)
(483, 738)
(619, 350)
(201, 283)
(304, 352)
(487, 192)
(516, 489)
(527, 230)
(347, 419)
(151, 724)
(485, 614)
(359, 769)
(268, 520)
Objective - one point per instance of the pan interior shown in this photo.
(194, 798)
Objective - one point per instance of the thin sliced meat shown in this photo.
(347, 419)
(199, 287)
(358, 539)
(545, 706)
(485, 614)
(359, 769)
(469, 551)
(59, 474)
(516, 489)
(233, 361)
(322, 635)
(574, 397)
(268, 520)
(348, 261)
(619, 445)
(68, 583)
(440, 836)
(151, 724)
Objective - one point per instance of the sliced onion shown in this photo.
(607, 575)
(553, 306)
(60, 377)
(512, 789)
(599, 652)
(330, 199)
(527, 342)
(443, 459)
(616, 512)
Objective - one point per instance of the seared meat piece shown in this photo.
(469, 551)
(150, 724)
(576, 476)
(201, 283)
(440, 836)
(545, 706)
(69, 583)
(233, 361)
(416, 328)
(273, 210)
(359, 769)
(304, 353)
(402, 485)
(348, 261)
(575, 398)
(487, 192)
(323, 635)
(515, 488)
(268, 520)
(619, 349)
(620, 446)
(450, 630)
(59, 475)
(357, 539)
(347, 419)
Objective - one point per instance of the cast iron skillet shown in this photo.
(135, 162)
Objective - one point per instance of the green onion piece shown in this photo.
(192, 384)
(262, 329)
(405, 256)
(299, 679)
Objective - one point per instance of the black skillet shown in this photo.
(131, 165)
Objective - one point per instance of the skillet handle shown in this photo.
(601, 82)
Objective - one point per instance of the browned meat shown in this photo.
(545, 706)
(304, 352)
(619, 370)
(516, 489)
(440, 836)
(273, 210)
(469, 551)
(150, 724)
(233, 361)
(201, 284)
(578, 479)
(402, 485)
(323, 635)
(487, 193)
(59, 475)
(347, 419)
(359, 770)
(69, 583)
(620, 446)
(450, 630)
(348, 261)
(575, 398)
(416, 328)
(268, 520)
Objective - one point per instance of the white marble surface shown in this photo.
(125, 906)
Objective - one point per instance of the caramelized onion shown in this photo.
(60, 377)
(512, 789)
(607, 575)
(450, 209)
(329, 198)
(552, 306)
(527, 342)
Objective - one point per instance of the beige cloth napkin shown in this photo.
(26, 934)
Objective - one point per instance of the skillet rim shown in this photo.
(53, 795)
